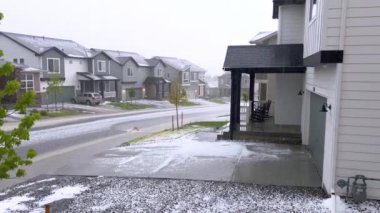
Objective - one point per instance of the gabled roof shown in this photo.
(41, 44)
(122, 57)
(180, 64)
(262, 36)
(22, 67)
(155, 61)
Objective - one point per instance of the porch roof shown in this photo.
(155, 80)
(284, 58)
(90, 76)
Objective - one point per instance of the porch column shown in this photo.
(163, 90)
(157, 91)
(116, 90)
(252, 90)
(235, 102)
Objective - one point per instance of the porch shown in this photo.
(253, 122)
(156, 88)
(104, 85)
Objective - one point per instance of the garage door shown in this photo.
(317, 130)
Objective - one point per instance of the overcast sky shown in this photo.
(197, 30)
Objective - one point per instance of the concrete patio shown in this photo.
(200, 157)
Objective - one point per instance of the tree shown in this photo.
(176, 96)
(55, 88)
(131, 93)
(10, 160)
(245, 97)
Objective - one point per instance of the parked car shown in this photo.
(89, 98)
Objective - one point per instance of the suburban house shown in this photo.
(60, 57)
(28, 78)
(157, 84)
(326, 68)
(116, 75)
(190, 75)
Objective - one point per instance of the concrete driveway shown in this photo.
(198, 157)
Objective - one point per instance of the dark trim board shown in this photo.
(268, 70)
(324, 57)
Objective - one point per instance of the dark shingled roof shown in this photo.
(265, 58)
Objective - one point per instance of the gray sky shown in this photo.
(197, 30)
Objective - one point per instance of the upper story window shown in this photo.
(129, 72)
(193, 76)
(15, 60)
(101, 66)
(313, 9)
(167, 75)
(53, 65)
(27, 82)
(22, 61)
(70, 61)
(186, 77)
(159, 73)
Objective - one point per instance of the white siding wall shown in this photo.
(287, 102)
(314, 29)
(322, 81)
(291, 24)
(13, 50)
(359, 131)
(71, 69)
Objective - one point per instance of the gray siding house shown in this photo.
(48, 54)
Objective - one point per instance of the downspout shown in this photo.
(338, 84)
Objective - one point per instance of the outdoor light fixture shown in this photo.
(326, 107)
(301, 92)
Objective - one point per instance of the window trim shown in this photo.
(129, 72)
(311, 6)
(26, 80)
(186, 80)
(59, 64)
(101, 62)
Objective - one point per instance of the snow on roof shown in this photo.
(122, 57)
(40, 44)
(259, 37)
(180, 64)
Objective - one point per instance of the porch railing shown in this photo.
(245, 113)
(110, 94)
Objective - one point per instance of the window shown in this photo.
(70, 61)
(167, 75)
(159, 73)
(27, 82)
(109, 86)
(313, 9)
(185, 77)
(22, 61)
(15, 60)
(129, 72)
(101, 66)
(194, 76)
(53, 65)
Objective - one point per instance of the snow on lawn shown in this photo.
(63, 193)
(40, 181)
(15, 203)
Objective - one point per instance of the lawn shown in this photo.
(209, 124)
(129, 106)
(61, 113)
(169, 134)
(187, 103)
(217, 100)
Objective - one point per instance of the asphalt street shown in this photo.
(60, 147)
